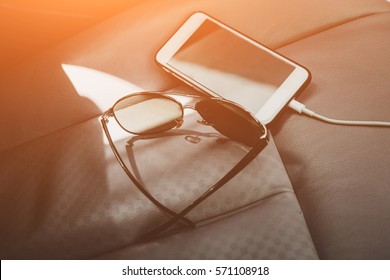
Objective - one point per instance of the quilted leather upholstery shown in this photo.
(64, 195)
(341, 174)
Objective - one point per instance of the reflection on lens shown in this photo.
(231, 120)
(147, 113)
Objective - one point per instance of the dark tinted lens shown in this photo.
(147, 113)
(231, 120)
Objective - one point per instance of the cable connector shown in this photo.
(301, 109)
(296, 106)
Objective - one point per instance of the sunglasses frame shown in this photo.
(152, 93)
(180, 217)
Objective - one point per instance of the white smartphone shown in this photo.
(220, 61)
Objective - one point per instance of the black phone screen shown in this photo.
(230, 66)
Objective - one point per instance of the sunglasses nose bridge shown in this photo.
(189, 106)
(192, 107)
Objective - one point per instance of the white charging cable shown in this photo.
(301, 108)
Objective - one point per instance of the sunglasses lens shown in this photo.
(231, 120)
(147, 113)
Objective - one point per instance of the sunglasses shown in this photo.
(148, 113)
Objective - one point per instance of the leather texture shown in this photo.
(28, 27)
(341, 174)
(64, 195)
(271, 229)
(125, 46)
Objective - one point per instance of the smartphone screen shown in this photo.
(230, 66)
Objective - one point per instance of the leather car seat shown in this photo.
(64, 195)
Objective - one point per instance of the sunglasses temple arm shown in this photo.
(104, 121)
(233, 172)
